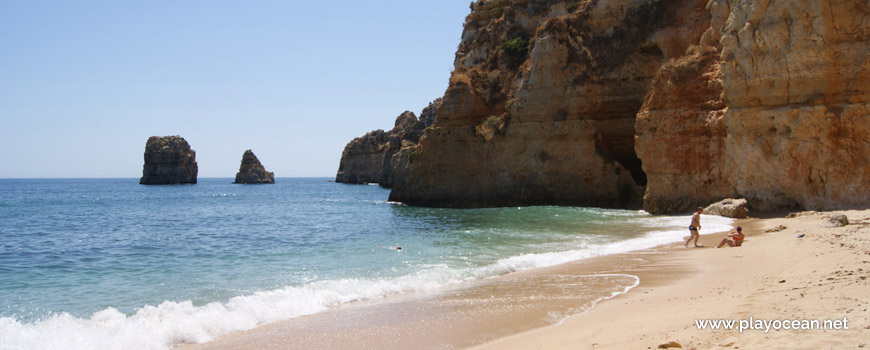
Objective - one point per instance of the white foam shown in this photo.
(649, 240)
(172, 323)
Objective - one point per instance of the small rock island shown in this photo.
(252, 171)
(169, 160)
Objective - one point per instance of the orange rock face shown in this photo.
(552, 122)
(681, 135)
(685, 102)
(791, 130)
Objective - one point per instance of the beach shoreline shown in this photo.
(462, 316)
(677, 286)
(789, 269)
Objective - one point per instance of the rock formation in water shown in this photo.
(672, 104)
(363, 158)
(366, 159)
(251, 171)
(168, 161)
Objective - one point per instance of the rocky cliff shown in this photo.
(772, 106)
(542, 102)
(366, 159)
(672, 104)
(168, 160)
(251, 171)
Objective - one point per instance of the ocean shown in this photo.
(111, 264)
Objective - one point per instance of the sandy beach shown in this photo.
(775, 276)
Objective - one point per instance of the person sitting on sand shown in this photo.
(734, 239)
(694, 227)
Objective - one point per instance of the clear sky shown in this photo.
(83, 84)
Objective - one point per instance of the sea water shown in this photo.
(111, 264)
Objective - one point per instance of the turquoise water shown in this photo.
(109, 263)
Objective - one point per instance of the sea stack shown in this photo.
(169, 160)
(252, 171)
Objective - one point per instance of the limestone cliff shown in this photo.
(251, 171)
(168, 160)
(673, 104)
(363, 158)
(366, 159)
(681, 134)
(541, 105)
(775, 111)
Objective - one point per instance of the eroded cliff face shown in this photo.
(541, 105)
(687, 102)
(789, 128)
(681, 134)
(362, 159)
(366, 159)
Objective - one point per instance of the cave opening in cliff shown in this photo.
(634, 166)
(618, 144)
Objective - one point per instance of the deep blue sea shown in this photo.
(111, 264)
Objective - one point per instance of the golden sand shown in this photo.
(774, 276)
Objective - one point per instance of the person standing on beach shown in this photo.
(694, 227)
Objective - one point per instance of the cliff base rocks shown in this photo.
(729, 208)
(837, 220)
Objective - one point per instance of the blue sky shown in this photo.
(83, 84)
